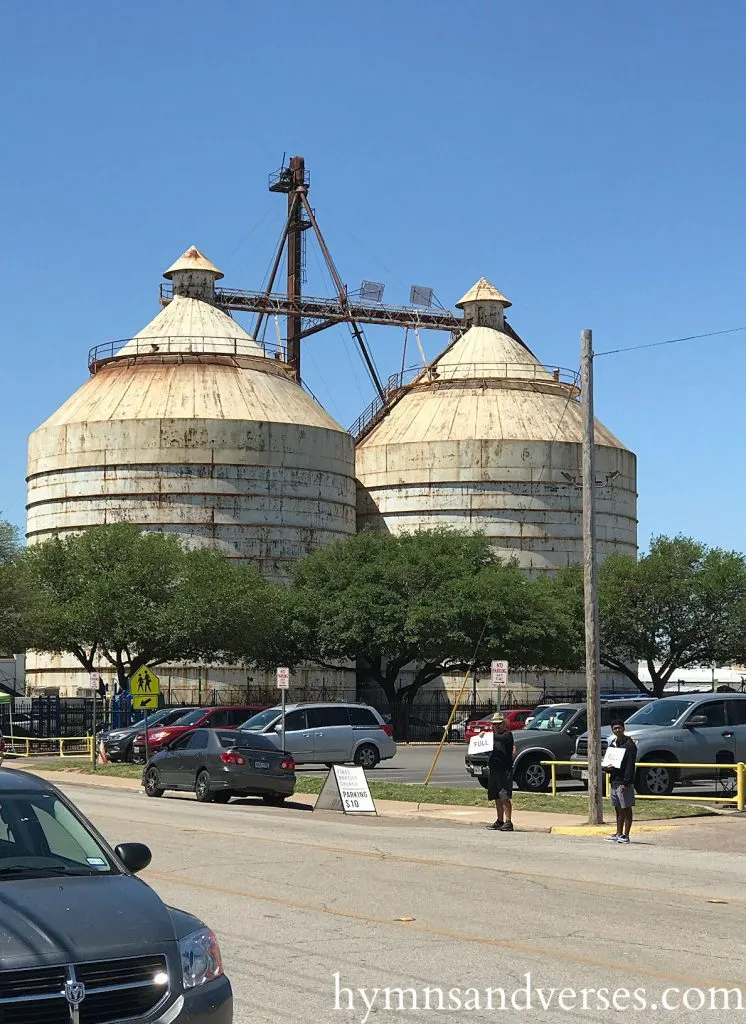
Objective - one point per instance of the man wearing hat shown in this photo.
(500, 774)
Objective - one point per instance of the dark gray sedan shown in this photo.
(216, 764)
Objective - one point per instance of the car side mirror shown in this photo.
(574, 730)
(278, 728)
(134, 856)
(696, 722)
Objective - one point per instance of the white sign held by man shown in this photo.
(482, 743)
(346, 789)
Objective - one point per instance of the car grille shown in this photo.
(115, 990)
(582, 750)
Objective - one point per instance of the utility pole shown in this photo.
(592, 640)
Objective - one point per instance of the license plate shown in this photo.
(261, 764)
(584, 774)
(137, 751)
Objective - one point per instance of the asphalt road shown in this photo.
(297, 897)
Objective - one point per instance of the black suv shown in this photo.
(551, 736)
(83, 939)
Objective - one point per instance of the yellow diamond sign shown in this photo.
(145, 683)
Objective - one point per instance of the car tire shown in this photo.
(367, 756)
(151, 783)
(222, 796)
(274, 799)
(532, 776)
(655, 781)
(202, 787)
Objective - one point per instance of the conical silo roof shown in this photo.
(483, 291)
(190, 322)
(490, 386)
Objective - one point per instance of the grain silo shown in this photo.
(192, 427)
(487, 438)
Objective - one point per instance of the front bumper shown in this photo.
(477, 769)
(208, 1004)
(579, 771)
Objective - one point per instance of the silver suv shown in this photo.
(328, 733)
(696, 728)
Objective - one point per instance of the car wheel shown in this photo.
(533, 777)
(222, 796)
(274, 799)
(482, 781)
(655, 781)
(367, 756)
(202, 788)
(152, 780)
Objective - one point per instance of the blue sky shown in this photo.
(588, 158)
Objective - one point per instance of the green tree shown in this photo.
(681, 604)
(14, 598)
(439, 599)
(137, 599)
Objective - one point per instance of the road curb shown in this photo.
(593, 831)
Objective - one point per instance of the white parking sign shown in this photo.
(283, 678)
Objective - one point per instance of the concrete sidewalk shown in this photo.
(525, 821)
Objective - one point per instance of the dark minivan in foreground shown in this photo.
(82, 940)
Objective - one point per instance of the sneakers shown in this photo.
(612, 839)
(496, 826)
(506, 827)
(624, 840)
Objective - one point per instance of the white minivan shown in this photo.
(328, 733)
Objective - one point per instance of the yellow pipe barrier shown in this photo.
(60, 746)
(740, 769)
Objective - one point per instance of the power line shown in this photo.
(671, 341)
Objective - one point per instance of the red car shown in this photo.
(223, 717)
(516, 719)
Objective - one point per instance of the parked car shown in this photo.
(328, 733)
(516, 719)
(551, 736)
(118, 742)
(223, 717)
(216, 764)
(701, 728)
(83, 938)
(2, 749)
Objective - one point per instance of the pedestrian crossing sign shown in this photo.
(145, 683)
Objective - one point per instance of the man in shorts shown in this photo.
(622, 783)
(500, 774)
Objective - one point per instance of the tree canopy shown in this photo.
(439, 599)
(13, 597)
(137, 599)
(681, 604)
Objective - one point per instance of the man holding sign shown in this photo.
(500, 778)
(620, 761)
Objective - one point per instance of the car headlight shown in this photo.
(200, 958)
(114, 736)
(159, 735)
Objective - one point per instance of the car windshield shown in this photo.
(192, 717)
(40, 836)
(260, 721)
(660, 712)
(552, 719)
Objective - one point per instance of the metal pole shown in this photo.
(592, 639)
(94, 731)
(282, 727)
(295, 262)
(145, 719)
